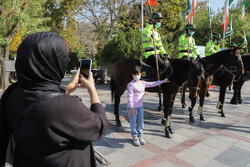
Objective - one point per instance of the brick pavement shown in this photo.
(217, 142)
(222, 142)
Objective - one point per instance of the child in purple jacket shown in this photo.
(135, 91)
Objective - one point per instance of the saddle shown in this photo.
(148, 73)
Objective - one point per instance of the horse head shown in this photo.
(195, 77)
(235, 63)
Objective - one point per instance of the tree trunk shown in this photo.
(1, 67)
(5, 54)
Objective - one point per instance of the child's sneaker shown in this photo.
(142, 141)
(135, 141)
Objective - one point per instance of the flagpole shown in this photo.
(156, 58)
(230, 28)
(142, 20)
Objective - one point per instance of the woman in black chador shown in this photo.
(51, 128)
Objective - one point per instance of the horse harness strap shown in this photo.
(49, 96)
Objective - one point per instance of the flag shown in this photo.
(244, 6)
(225, 18)
(189, 10)
(245, 40)
(230, 2)
(191, 15)
(194, 3)
(230, 31)
(151, 2)
(210, 14)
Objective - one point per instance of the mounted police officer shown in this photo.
(148, 44)
(231, 45)
(213, 46)
(187, 48)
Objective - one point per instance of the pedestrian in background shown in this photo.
(136, 89)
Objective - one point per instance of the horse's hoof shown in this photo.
(233, 102)
(223, 115)
(171, 130)
(168, 134)
(118, 123)
(202, 118)
(159, 108)
(184, 105)
(191, 119)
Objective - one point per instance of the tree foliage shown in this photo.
(124, 44)
(16, 15)
(63, 20)
(202, 33)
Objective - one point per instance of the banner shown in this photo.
(244, 6)
(188, 10)
(152, 2)
(225, 18)
(230, 31)
(210, 14)
(245, 40)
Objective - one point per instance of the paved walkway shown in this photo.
(222, 142)
(217, 142)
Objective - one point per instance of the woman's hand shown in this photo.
(73, 85)
(89, 83)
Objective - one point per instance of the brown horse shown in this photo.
(237, 85)
(183, 70)
(225, 66)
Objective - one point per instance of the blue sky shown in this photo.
(219, 4)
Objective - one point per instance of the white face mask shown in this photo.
(137, 77)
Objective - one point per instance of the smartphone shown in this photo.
(85, 67)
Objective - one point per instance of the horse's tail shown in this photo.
(113, 88)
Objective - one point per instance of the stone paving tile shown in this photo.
(187, 133)
(226, 139)
(161, 142)
(165, 164)
(194, 158)
(243, 144)
(118, 159)
(214, 163)
(235, 156)
(215, 143)
(206, 150)
(137, 153)
(104, 149)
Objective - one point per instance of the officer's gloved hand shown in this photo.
(167, 59)
(166, 56)
(151, 21)
(198, 57)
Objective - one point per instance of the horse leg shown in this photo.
(116, 111)
(221, 101)
(183, 101)
(239, 92)
(190, 109)
(234, 99)
(171, 110)
(203, 92)
(160, 103)
(167, 117)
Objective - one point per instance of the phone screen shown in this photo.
(85, 67)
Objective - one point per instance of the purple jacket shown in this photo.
(136, 91)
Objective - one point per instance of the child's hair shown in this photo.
(136, 70)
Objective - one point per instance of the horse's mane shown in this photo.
(246, 62)
(182, 62)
